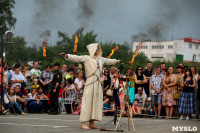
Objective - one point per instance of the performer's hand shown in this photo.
(62, 54)
(118, 61)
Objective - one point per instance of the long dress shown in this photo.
(167, 99)
(92, 102)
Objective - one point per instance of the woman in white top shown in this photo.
(13, 101)
(79, 84)
(71, 89)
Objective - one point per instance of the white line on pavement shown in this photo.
(33, 125)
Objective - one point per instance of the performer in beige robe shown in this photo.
(92, 102)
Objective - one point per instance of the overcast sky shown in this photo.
(112, 20)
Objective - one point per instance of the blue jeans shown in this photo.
(15, 105)
(33, 106)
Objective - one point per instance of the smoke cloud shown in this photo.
(168, 14)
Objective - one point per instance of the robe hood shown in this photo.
(92, 49)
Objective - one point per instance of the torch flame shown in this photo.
(112, 52)
(75, 45)
(44, 49)
(131, 62)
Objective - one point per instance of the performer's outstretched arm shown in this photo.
(107, 61)
(73, 58)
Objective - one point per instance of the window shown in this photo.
(162, 47)
(170, 46)
(153, 47)
(190, 45)
(196, 46)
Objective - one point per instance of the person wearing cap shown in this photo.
(57, 79)
(92, 103)
(149, 108)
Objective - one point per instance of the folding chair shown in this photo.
(67, 100)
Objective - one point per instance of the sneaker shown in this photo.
(187, 118)
(23, 113)
(182, 118)
(5, 111)
(63, 113)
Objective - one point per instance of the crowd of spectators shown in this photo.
(156, 92)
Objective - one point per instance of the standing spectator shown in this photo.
(141, 97)
(195, 74)
(60, 98)
(64, 71)
(112, 72)
(198, 95)
(17, 78)
(162, 67)
(115, 88)
(170, 87)
(107, 81)
(148, 73)
(70, 74)
(57, 79)
(131, 90)
(76, 67)
(5, 74)
(130, 70)
(140, 78)
(27, 76)
(186, 101)
(12, 101)
(71, 89)
(156, 91)
(46, 78)
(180, 76)
(35, 72)
(33, 104)
(79, 84)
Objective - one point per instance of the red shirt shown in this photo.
(61, 92)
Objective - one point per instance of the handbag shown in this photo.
(176, 96)
(109, 92)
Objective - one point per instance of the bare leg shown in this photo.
(155, 110)
(84, 126)
(159, 108)
(167, 111)
(171, 109)
(92, 125)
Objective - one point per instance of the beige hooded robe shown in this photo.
(92, 102)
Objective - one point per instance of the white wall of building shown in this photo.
(190, 50)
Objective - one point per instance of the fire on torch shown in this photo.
(75, 45)
(131, 62)
(112, 52)
(44, 49)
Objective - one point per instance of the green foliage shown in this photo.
(6, 18)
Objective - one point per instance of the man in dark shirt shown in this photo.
(57, 79)
(148, 73)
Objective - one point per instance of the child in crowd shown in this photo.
(21, 99)
(136, 108)
(35, 84)
(61, 95)
(40, 95)
(78, 109)
(149, 108)
(33, 104)
(109, 108)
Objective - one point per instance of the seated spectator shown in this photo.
(46, 78)
(11, 100)
(78, 109)
(35, 84)
(21, 98)
(136, 110)
(61, 95)
(109, 108)
(141, 97)
(41, 95)
(33, 104)
(149, 108)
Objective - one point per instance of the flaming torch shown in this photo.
(131, 62)
(112, 52)
(44, 49)
(75, 45)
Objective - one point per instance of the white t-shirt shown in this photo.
(31, 97)
(79, 84)
(17, 77)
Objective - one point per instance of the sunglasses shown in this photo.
(139, 90)
(139, 69)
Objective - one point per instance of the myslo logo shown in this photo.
(184, 128)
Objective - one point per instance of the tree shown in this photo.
(7, 20)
